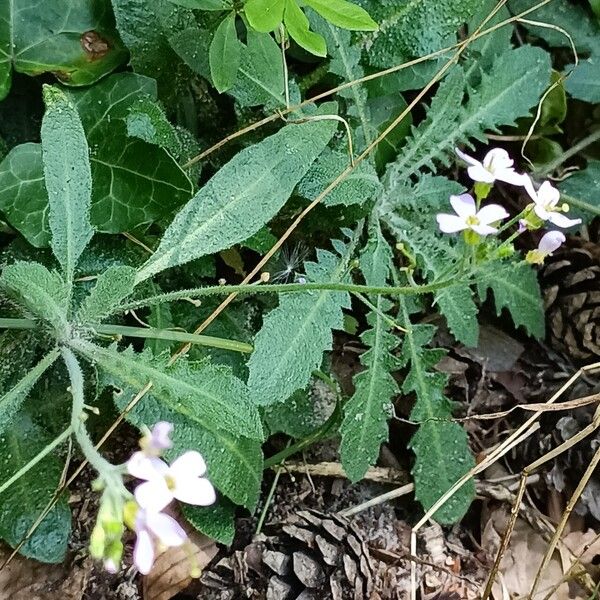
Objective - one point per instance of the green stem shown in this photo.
(36, 459)
(175, 336)
(285, 288)
(6, 323)
(109, 473)
(565, 156)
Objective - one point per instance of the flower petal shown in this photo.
(468, 159)
(160, 435)
(195, 490)
(168, 531)
(189, 464)
(153, 495)
(512, 177)
(548, 196)
(450, 223)
(491, 213)
(483, 229)
(528, 185)
(551, 241)
(541, 212)
(464, 205)
(497, 159)
(561, 220)
(143, 552)
(481, 174)
(145, 467)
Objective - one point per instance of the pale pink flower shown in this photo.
(468, 217)
(182, 480)
(546, 205)
(158, 439)
(152, 528)
(551, 242)
(496, 166)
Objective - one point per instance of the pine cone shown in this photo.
(311, 556)
(571, 283)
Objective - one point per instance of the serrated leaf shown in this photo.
(12, 400)
(242, 196)
(584, 186)
(234, 462)
(457, 305)
(217, 521)
(205, 394)
(24, 501)
(112, 286)
(73, 39)
(294, 335)
(264, 15)
(68, 180)
(40, 291)
(298, 27)
(344, 14)
(359, 187)
(516, 288)
(224, 54)
(365, 426)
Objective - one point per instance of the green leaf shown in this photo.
(160, 317)
(365, 426)
(297, 416)
(264, 15)
(242, 196)
(112, 286)
(201, 4)
(294, 335)
(234, 462)
(206, 394)
(40, 291)
(133, 182)
(583, 186)
(12, 400)
(217, 521)
(584, 82)
(457, 305)
(440, 445)
(359, 187)
(297, 26)
(147, 121)
(260, 74)
(73, 39)
(344, 14)
(68, 179)
(24, 501)
(224, 54)
(515, 288)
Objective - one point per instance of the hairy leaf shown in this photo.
(112, 286)
(147, 121)
(24, 501)
(584, 186)
(294, 335)
(224, 54)
(217, 521)
(297, 416)
(73, 39)
(68, 179)
(242, 196)
(458, 307)
(40, 291)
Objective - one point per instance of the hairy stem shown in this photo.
(6, 323)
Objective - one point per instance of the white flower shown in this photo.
(496, 166)
(158, 439)
(550, 242)
(151, 527)
(182, 480)
(546, 205)
(468, 217)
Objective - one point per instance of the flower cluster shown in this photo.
(475, 220)
(183, 480)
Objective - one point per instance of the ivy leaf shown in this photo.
(24, 501)
(206, 394)
(112, 286)
(294, 335)
(264, 15)
(39, 290)
(68, 179)
(516, 288)
(344, 14)
(224, 54)
(234, 462)
(242, 196)
(76, 41)
(298, 27)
